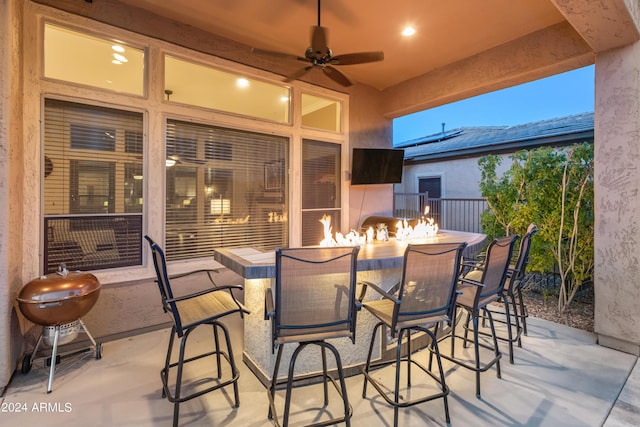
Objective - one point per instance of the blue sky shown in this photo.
(556, 96)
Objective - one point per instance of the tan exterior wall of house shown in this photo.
(369, 128)
(11, 171)
(459, 178)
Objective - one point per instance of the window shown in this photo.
(92, 138)
(92, 192)
(79, 58)
(132, 142)
(92, 188)
(321, 113)
(195, 84)
(217, 151)
(320, 188)
(133, 188)
(217, 194)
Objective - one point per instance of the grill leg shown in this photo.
(35, 350)
(86, 331)
(53, 358)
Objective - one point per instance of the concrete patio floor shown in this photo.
(561, 377)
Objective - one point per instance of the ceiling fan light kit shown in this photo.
(321, 57)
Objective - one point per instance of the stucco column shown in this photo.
(617, 185)
(11, 160)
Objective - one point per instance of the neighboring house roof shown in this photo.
(478, 141)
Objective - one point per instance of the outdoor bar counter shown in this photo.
(378, 262)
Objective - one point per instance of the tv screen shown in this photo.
(376, 166)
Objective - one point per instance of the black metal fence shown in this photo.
(449, 214)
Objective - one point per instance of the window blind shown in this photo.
(224, 188)
(320, 188)
(92, 192)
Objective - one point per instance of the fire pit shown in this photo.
(57, 302)
(381, 228)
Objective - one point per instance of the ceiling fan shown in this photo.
(320, 56)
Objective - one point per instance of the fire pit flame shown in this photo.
(423, 229)
(351, 239)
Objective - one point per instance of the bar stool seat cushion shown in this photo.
(383, 310)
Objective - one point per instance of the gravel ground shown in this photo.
(540, 293)
(578, 315)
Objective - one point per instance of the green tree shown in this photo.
(552, 188)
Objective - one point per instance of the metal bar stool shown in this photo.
(188, 312)
(426, 297)
(314, 301)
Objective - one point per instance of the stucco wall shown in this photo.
(617, 183)
(11, 171)
(459, 177)
(370, 129)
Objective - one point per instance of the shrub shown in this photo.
(552, 188)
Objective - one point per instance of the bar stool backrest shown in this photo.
(523, 254)
(162, 278)
(496, 265)
(428, 285)
(315, 294)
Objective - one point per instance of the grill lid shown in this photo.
(58, 287)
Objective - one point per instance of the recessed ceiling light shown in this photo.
(408, 31)
(117, 48)
(242, 82)
(284, 99)
(115, 61)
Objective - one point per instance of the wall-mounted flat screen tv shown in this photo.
(376, 166)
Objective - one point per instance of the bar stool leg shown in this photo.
(287, 400)
(396, 392)
(409, 357)
(324, 375)
(176, 403)
(217, 343)
(516, 314)
(495, 343)
(476, 348)
(343, 385)
(509, 330)
(368, 364)
(164, 374)
(434, 344)
(232, 361)
(272, 387)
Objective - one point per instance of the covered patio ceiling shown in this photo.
(446, 32)
(461, 48)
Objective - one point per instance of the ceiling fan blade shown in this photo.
(337, 76)
(357, 58)
(319, 41)
(301, 72)
(275, 54)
